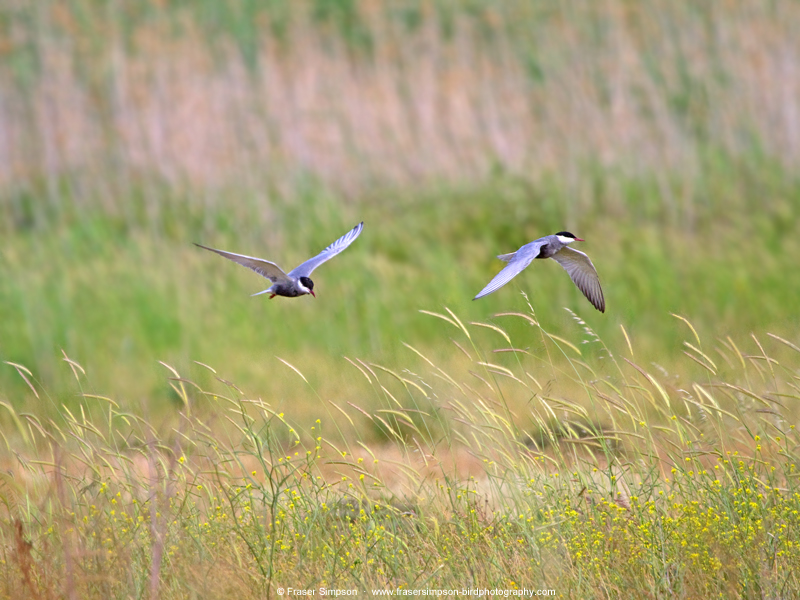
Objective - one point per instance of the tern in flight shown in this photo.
(296, 282)
(555, 246)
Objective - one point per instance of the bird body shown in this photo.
(556, 246)
(297, 281)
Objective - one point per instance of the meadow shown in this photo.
(569, 467)
(166, 435)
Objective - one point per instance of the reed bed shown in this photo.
(99, 97)
(537, 462)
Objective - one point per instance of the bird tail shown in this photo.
(267, 291)
(506, 257)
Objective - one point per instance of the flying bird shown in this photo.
(296, 282)
(555, 246)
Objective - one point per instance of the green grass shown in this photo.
(120, 293)
(570, 468)
(135, 129)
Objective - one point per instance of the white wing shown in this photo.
(511, 270)
(305, 269)
(517, 261)
(263, 267)
(583, 274)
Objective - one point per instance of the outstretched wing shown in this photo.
(263, 267)
(583, 274)
(305, 269)
(511, 270)
(517, 261)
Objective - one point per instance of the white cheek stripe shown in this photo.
(565, 240)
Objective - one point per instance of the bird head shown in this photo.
(306, 286)
(565, 237)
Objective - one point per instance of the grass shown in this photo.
(573, 467)
(630, 453)
(522, 87)
(133, 129)
(119, 294)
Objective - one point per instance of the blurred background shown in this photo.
(667, 134)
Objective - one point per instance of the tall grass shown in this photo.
(665, 135)
(118, 294)
(567, 466)
(99, 96)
